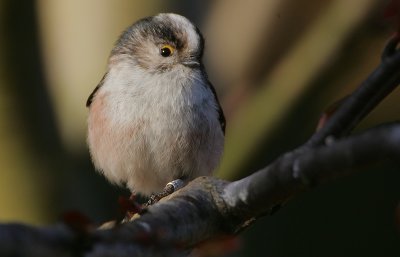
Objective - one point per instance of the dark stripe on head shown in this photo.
(161, 31)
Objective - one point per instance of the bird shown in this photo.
(155, 117)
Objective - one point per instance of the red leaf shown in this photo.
(129, 206)
(77, 221)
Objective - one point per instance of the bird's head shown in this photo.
(161, 43)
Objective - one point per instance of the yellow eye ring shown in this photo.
(167, 50)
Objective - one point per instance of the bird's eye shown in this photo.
(166, 50)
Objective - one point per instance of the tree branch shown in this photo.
(383, 80)
(299, 170)
(209, 207)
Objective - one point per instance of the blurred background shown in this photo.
(276, 66)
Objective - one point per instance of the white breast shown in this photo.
(146, 130)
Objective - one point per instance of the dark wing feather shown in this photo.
(91, 96)
(221, 116)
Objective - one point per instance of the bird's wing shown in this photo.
(91, 96)
(221, 116)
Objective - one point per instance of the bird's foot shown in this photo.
(168, 189)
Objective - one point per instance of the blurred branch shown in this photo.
(209, 207)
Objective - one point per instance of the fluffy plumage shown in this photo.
(155, 118)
